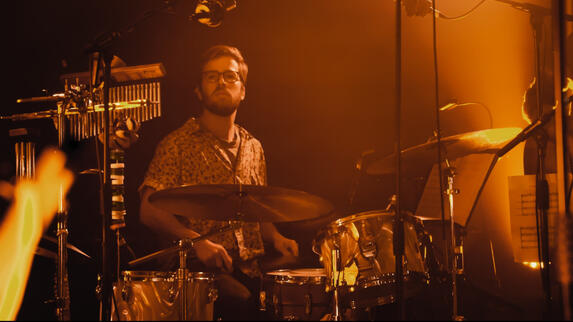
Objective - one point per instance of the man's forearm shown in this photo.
(162, 221)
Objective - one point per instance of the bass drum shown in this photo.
(364, 241)
(154, 296)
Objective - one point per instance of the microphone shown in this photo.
(451, 104)
(210, 12)
(526, 133)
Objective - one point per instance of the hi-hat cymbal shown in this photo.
(455, 146)
(254, 203)
(47, 253)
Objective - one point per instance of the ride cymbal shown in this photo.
(251, 203)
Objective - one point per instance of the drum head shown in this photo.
(299, 276)
(146, 275)
(299, 272)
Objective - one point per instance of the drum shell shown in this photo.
(154, 295)
(367, 260)
(442, 248)
(297, 294)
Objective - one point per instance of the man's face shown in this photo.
(221, 89)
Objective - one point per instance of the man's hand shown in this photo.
(287, 247)
(124, 134)
(213, 255)
(35, 202)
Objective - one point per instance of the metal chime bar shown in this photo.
(139, 101)
(25, 159)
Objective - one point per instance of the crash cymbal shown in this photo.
(255, 203)
(455, 146)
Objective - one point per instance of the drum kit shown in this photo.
(356, 251)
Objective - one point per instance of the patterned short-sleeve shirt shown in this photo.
(193, 155)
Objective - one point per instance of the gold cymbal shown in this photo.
(455, 146)
(250, 203)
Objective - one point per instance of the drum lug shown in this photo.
(307, 304)
(353, 305)
(213, 294)
(276, 305)
(125, 293)
(173, 290)
(262, 301)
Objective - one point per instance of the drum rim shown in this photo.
(324, 232)
(310, 269)
(298, 279)
(145, 274)
(164, 275)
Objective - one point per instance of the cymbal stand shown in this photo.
(182, 273)
(62, 287)
(186, 243)
(182, 248)
(398, 227)
(455, 251)
(336, 270)
(101, 47)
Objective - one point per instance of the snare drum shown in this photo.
(296, 294)
(367, 272)
(153, 295)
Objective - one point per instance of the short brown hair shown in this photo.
(221, 51)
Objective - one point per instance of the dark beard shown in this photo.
(221, 109)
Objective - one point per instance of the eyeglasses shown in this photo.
(229, 76)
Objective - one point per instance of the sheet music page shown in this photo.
(523, 219)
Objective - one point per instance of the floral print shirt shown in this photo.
(192, 155)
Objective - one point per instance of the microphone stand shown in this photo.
(541, 198)
(398, 236)
(526, 133)
(564, 220)
(101, 47)
(542, 191)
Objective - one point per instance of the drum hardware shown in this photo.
(368, 247)
(76, 107)
(455, 252)
(336, 284)
(490, 141)
(357, 254)
(185, 244)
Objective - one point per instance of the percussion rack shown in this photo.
(136, 94)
